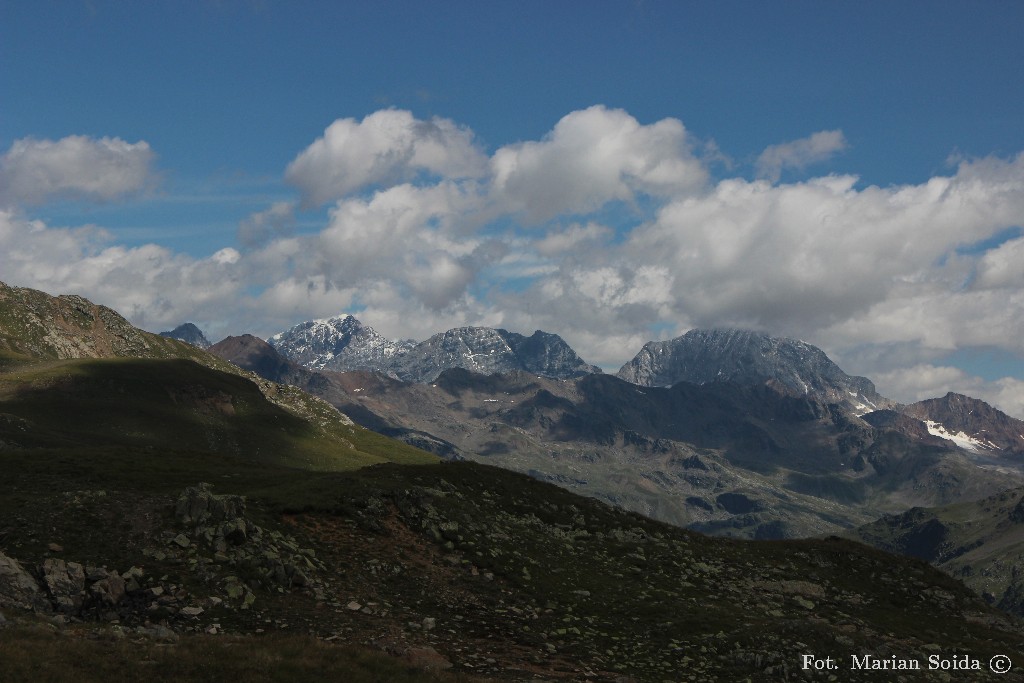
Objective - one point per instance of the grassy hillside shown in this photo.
(178, 404)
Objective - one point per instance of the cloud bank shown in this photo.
(76, 167)
(606, 230)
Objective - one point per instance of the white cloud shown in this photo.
(260, 227)
(557, 242)
(77, 167)
(385, 148)
(593, 157)
(799, 154)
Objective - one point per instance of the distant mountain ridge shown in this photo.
(744, 357)
(971, 423)
(486, 351)
(190, 334)
(343, 343)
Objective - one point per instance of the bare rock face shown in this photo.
(743, 357)
(18, 589)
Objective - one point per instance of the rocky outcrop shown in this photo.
(18, 589)
(69, 326)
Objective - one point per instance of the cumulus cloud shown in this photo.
(260, 227)
(150, 284)
(77, 167)
(799, 154)
(593, 157)
(385, 148)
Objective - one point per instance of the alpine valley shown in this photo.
(484, 505)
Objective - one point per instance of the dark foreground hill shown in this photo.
(459, 567)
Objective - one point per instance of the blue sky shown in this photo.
(848, 173)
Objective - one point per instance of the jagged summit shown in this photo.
(340, 343)
(487, 351)
(746, 357)
(190, 334)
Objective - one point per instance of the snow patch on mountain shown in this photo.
(961, 439)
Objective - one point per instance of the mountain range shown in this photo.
(165, 514)
(343, 343)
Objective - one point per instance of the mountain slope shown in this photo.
(111, 538)
(744, 357)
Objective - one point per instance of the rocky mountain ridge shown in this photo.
(971, 423)
(343, 343)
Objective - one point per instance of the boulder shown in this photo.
(110, 590)
(66, 583)
(18, 589)
(197, 505)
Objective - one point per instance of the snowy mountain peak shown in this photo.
(337, 343)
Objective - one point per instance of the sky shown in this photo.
(849, 174)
